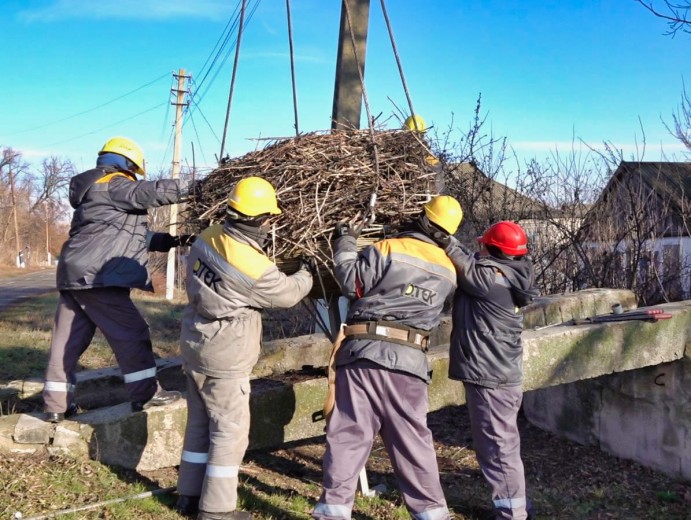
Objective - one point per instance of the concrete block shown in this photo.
(67, 436)
(144, 441)
(570, 411)
(641, 431)
(31, 429)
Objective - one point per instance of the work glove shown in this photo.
(309, 263)
(351, 228)
(164, 242)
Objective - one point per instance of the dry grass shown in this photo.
(566, 481)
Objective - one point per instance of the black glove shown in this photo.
(309, 263)
(348, 228)
(164, 242)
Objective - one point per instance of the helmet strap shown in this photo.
(428, 227)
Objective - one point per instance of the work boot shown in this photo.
(56, 417)
(230, 515)
(160, 398)
(187, 506)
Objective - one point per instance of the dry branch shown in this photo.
(321, 178)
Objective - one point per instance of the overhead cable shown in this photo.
(92, 108)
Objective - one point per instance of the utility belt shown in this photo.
(381, 330)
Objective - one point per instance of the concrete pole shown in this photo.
(180, 101)
(347, 104)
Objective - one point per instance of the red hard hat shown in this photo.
(508, 236)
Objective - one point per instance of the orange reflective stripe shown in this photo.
(107, 178)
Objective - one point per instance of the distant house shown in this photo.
(485, 200)
(641, 227)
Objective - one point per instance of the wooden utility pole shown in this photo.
(14, 215)
(179, 103)
(347, 104)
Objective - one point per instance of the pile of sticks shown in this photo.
(322, 178)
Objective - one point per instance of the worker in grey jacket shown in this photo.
(486, 354)
(229, 281)
(397, 288)
(104, 258)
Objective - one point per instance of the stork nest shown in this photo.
(323, 178)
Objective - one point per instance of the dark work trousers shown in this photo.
(216, 438)
(497, 443)
(371, 400)
(78, 315)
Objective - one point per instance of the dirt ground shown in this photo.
(565, 481)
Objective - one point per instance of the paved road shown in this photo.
(16, 288)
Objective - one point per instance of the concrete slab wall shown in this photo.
(283, 408)
(642, 415)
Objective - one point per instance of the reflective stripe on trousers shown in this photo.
(216, 438)
(371, 400)
(497, 442)
(79, 313)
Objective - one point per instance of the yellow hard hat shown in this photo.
(128, 149)
(445, 212)
(254, 196)
(416, 123)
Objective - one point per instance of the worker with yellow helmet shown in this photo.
(104, 258)
(397, 288)
(229, 281)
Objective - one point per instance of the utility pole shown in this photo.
(14, 215)
(347, 103)
(179, 103)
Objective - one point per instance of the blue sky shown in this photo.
(77, 72)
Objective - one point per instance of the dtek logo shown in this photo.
(206, 275)
(426, 296)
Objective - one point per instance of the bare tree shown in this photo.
(676, 14)
(682, 121)
(53, 179)
(589, 223)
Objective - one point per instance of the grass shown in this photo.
(566, 481)
(25, 332)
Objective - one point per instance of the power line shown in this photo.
(227, 38)
(93, 108)
(110, 125)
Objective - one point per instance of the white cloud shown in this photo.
(127, 9)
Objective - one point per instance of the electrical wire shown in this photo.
(199, 141)
(92, 108)
(109, 126)
(203, 93)
(232, 79)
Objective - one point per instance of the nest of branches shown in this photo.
(321, 179)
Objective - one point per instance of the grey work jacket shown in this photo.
(403, 280)
(229, 281)
(107, 244)
(486, 347)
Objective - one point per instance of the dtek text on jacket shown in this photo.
(486, 345)
(403, 280)
(108, 241)
(229, 281)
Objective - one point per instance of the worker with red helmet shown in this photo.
(486, 355)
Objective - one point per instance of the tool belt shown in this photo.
(383, 331)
